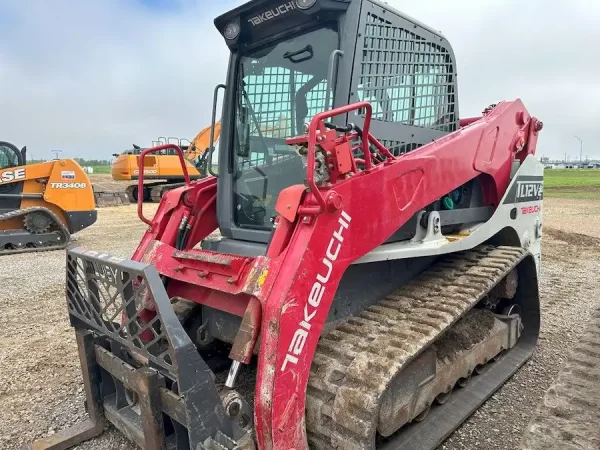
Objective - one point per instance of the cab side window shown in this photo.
(9, 157)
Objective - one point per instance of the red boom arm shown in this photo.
(286, 295)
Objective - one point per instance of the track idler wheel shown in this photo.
(132, 192)
(498, 356)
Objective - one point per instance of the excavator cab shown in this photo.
(360, 256)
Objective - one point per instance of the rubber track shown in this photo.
(157, 192)
(129, 190)
(569, 415)
(354, 363)
(46, 248)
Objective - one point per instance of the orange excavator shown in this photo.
(164, 168)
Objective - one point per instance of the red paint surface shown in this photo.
(326, 230)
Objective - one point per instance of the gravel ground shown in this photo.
(40, 382)
(569, 293)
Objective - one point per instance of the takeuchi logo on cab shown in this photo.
(272, 13)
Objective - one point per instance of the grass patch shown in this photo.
(571, 177)
(101, 169)
(572, 183)
(570, 193)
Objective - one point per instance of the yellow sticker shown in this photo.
(262, 277)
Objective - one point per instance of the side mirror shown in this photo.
(24, 155)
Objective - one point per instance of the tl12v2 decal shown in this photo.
(527, 188)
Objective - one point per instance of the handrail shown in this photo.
(330, 74)
(212, 130)
(140, 199)
(316, 124)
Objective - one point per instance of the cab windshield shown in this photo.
(279, 89)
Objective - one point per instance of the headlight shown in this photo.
(305, 4)
(232, 30)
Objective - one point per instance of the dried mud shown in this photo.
(467, 332)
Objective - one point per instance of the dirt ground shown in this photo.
(40, 381)
(103, 182)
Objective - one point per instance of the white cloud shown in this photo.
(539, 51)
(91, 78)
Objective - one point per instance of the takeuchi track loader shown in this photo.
(363, 277)
(41, 204)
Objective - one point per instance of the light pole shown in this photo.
(580, 150)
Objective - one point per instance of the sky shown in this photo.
(91, 78)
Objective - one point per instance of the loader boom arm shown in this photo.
(317, 236)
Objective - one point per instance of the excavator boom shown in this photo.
(201, 143)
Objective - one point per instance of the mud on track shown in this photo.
(40, 382)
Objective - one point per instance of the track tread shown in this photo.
(569, 413)
(45, 247)
(344, 414)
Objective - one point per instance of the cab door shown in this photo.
(11, 181)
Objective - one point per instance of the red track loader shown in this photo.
(360, 273)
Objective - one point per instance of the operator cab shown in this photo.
(279, 88)
(11, 156)
(10, 186)
(293, 59)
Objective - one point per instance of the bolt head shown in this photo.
(233, 409)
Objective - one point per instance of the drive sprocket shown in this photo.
(37, 222)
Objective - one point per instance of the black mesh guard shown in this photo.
(105, 295)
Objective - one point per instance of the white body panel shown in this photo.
(527, 224)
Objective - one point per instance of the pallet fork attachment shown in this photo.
(141, 369)
(94, 424)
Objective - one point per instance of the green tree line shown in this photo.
(80, 161)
